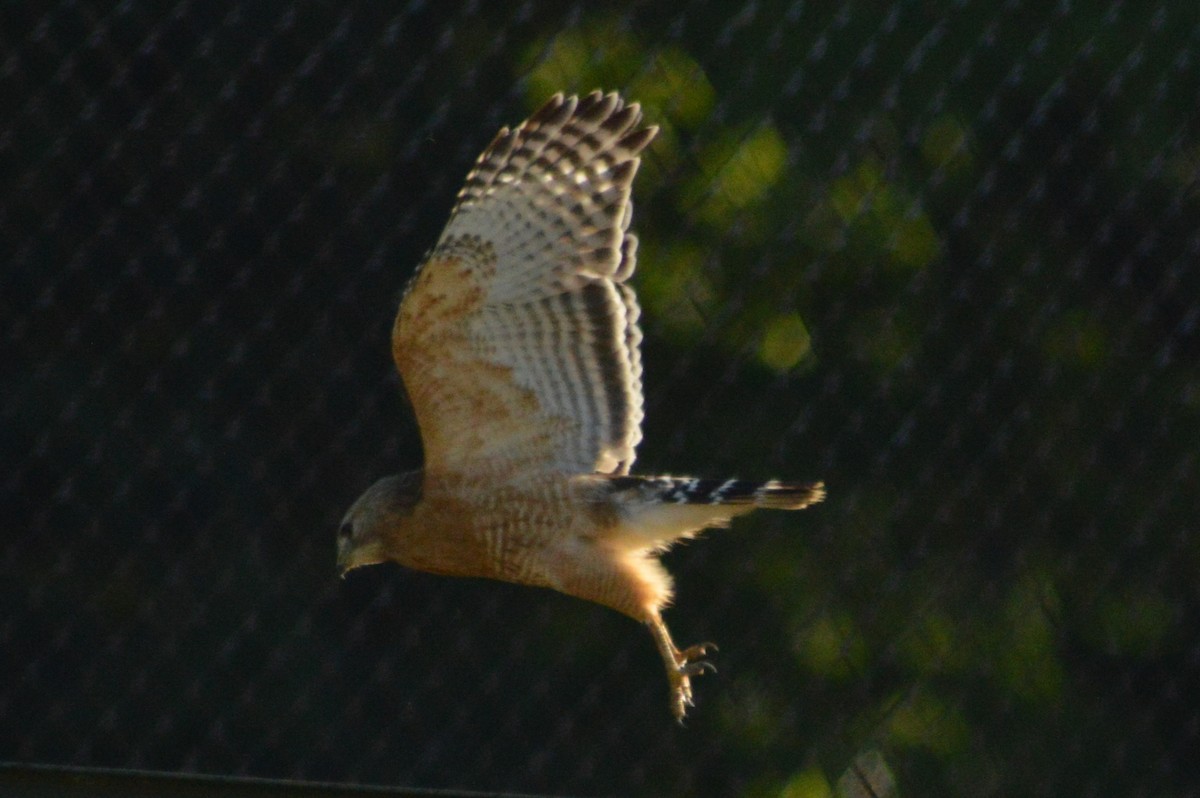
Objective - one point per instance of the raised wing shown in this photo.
(517, 339)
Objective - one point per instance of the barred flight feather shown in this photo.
(518, 343)
(539, 230)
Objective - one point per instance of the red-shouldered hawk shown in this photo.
(517, 340)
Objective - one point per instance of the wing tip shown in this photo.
(607, 110)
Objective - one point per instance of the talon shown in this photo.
(695, 652)
(682, 665)
(697, 668)
(681, 696)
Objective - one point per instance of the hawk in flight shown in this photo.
(517, 341)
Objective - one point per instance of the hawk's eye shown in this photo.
(346, 531)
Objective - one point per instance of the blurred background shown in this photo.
(941, 255)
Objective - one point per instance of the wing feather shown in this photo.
(517, 339)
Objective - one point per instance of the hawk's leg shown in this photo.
(681, 665)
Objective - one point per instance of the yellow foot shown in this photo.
(687, 663)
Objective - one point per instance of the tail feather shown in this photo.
(772, 494)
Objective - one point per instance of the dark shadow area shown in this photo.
(941, 256)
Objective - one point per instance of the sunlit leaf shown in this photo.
(923, 720)
(1026, 656)
(810, 783)
(786, 342)
(736, 172)
(832, 647)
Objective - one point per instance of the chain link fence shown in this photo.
(940, 255)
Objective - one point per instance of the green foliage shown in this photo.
(809, 783)
(922, 720)
(757, 244)
(832, 647)
(941, 255)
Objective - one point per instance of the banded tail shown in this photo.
(651, 513)
(771, 495)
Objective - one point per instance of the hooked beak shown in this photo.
(345, 558)
(349, 558)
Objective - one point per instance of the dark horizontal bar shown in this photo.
(58, 781)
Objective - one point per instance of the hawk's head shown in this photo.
(381, 508)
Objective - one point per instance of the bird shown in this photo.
(518, 345)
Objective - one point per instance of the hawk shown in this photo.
(517, 341)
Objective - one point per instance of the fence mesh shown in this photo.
(941, 255)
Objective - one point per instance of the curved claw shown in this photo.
(687, 665)
(697, 668)
(681, 665)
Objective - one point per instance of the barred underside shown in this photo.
(548, 206)
(518, 343)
